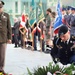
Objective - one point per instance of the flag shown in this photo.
(32, 16)
(58, 21)
(40, 16)
(23, 21)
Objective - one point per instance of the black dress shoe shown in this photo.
(47, 51)
(19, 45)
(15, 46)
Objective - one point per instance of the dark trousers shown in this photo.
(35, 41)
(2, 55)
(72, 59)
(16, 40)
(43, 45)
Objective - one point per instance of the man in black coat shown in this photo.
(16, 33)
(64, 46)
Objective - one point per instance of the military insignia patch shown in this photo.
(59, 47)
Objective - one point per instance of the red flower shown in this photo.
(65, 74)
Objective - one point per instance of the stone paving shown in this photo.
(17, 60)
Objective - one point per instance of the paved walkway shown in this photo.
(17, 60)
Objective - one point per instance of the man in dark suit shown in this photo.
(16, 33)
(64, 47)
(5, 35)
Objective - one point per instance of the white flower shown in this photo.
(48, 73)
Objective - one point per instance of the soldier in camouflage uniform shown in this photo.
(48, 27)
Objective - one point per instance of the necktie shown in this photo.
(65, 42)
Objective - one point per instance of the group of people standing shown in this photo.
(68, 18)
(61, 48)
(40, 32)
(49, 42)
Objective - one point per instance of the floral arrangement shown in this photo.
(54, 70)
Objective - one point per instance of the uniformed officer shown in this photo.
(5, 35)
(69, 14)
(64, 15)
(48, 27)
(69, 10)
(72, 21)
(64, 46)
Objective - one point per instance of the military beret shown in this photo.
(62, 30)
(1, 3)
